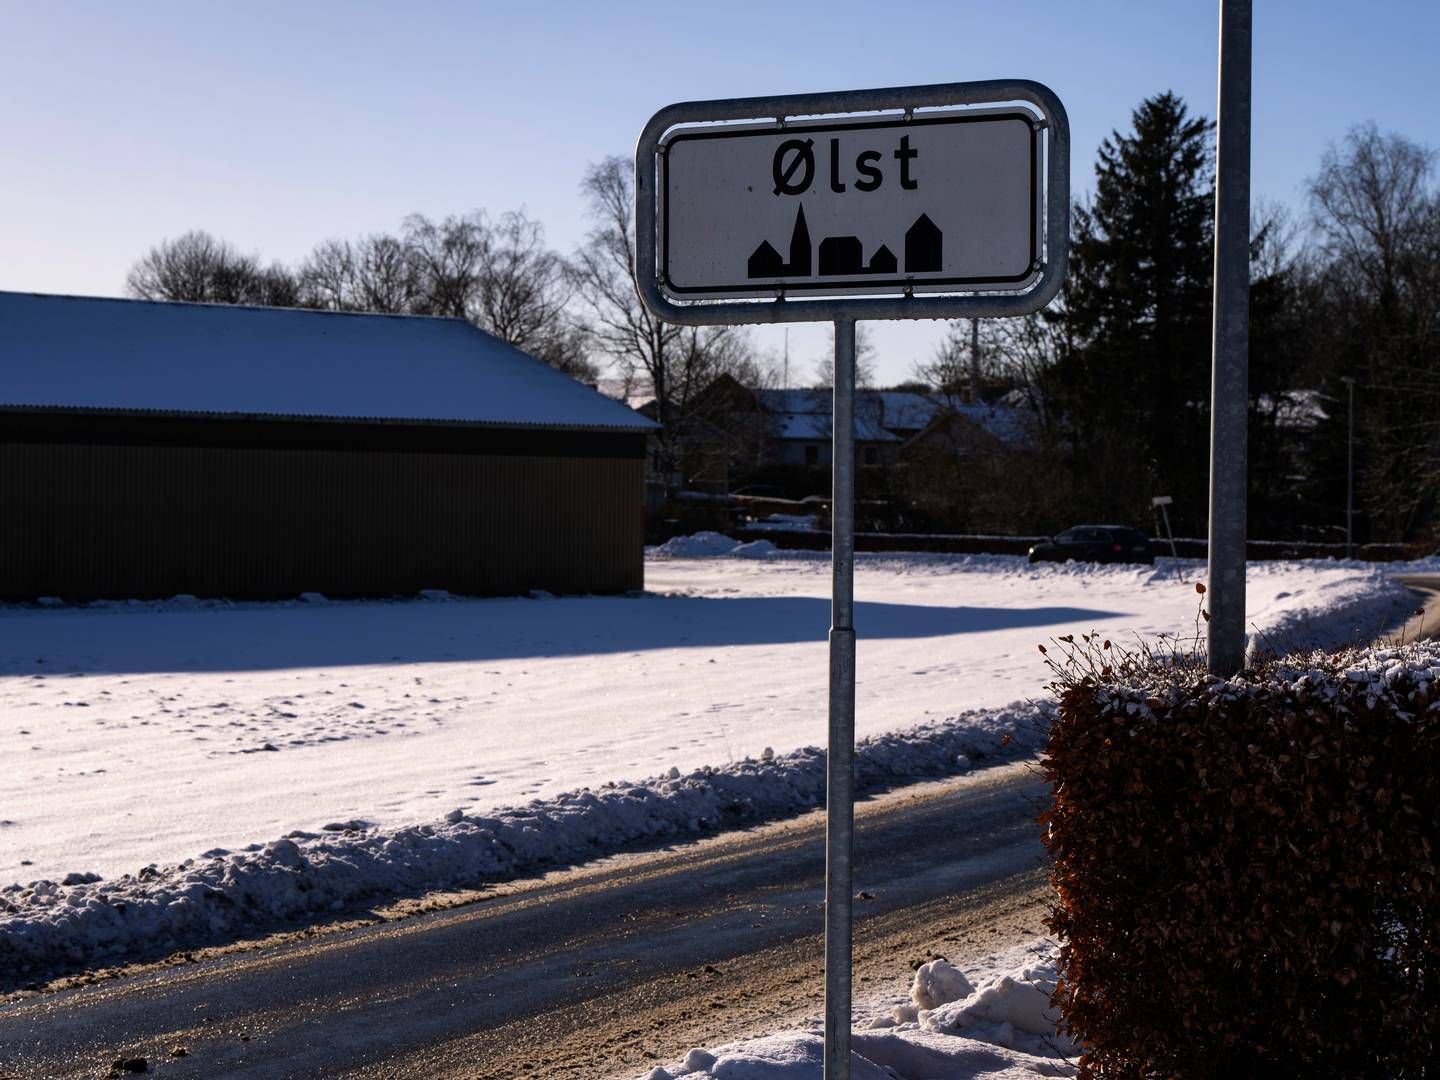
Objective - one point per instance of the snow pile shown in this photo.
(1004, 1030)
(707, 545)
(913, 1055)
(1012, 1010)
(45, 924)
(755, 549)
(939, 982)
(1328, 613)
(700, 545)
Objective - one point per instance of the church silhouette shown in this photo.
(766, 261)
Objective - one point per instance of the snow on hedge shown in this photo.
(996, 1023)
(47, 924)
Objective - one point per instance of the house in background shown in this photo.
(737, 435)
(151, 449)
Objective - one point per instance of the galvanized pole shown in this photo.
(1349, 382)
(1229, 387)
(840, 779)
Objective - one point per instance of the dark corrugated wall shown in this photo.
(93, 520)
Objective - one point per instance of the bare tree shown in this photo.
(449, 259)
(500, 276)
(1371, 202)
(386, 277)
(677, 361)
(327, 277)
(1377, 218)
(864, 362)
(199, 268)
(950, 369)
(1018, 353)
(376, 273)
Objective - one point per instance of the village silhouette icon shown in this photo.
(845, 255)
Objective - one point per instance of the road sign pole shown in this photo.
(1229, 389)
(830, 212)
(840, 777)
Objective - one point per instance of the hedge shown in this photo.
(1246, 869)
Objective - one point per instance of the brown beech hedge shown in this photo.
(1246, 870)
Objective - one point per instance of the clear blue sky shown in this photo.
(276, 125)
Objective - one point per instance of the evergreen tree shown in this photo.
(1132, 382)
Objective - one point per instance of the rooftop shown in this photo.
(74, 352)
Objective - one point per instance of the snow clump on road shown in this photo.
(999, 1028)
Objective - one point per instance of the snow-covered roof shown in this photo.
(795, 401)
(816, 426)
(879, 414)
(908, 411)
(76, 352)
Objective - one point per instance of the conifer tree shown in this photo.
(1132, 380)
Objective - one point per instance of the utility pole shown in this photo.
(1230, 360)
(1349, 381)
(787, 358)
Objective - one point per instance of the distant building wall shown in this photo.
(119, 506)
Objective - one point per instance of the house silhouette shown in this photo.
(923, 247)
(841, 255)
(883, 261)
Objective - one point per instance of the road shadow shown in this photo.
(261, 637)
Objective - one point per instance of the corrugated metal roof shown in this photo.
(75, 352)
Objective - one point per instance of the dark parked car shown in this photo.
(1096, 543)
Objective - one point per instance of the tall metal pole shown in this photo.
(1229, 387)
(840, 778)
(1349, 382)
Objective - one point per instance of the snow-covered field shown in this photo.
(993, 1021)
(150, 733)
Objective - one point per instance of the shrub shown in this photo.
(1246, 869)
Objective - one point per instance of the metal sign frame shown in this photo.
(906, 100)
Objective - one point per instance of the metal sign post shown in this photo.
(903, 203)
(840, 760)
(1229, 387)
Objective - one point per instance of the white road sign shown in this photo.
(942, 201)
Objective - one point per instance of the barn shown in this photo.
(154, 449)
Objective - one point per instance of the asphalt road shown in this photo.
(1427, 589)
(597, 972)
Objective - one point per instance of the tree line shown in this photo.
(1344, 298)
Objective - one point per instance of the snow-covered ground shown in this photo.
(150, 733)
(992, 1021)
